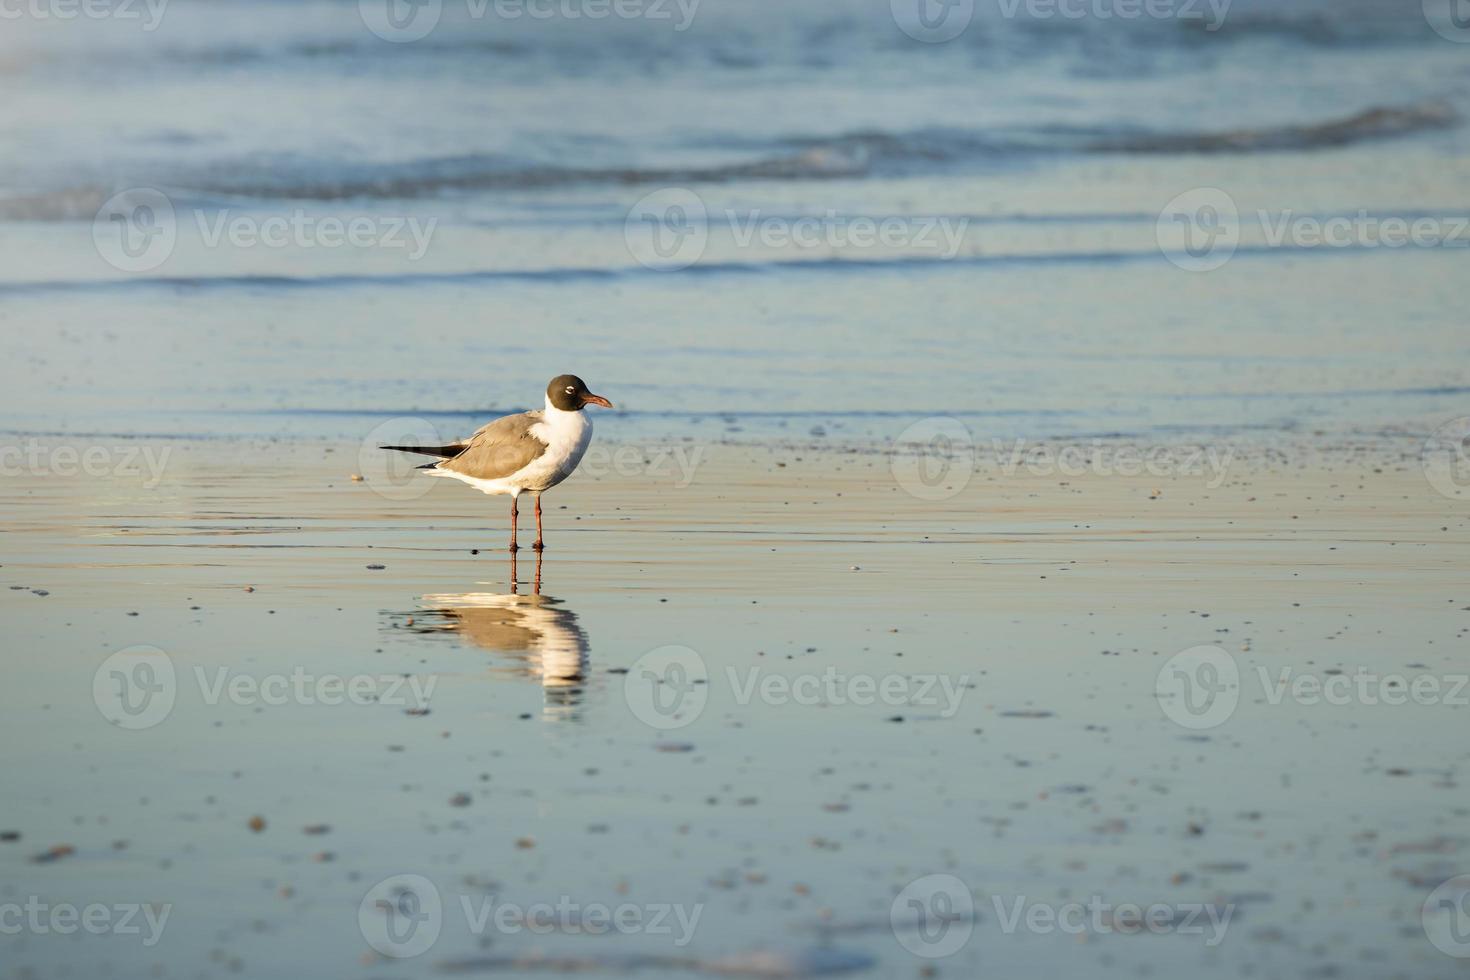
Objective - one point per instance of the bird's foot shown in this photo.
(538, 546)
(514, 547)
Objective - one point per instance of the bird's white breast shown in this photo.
(567, 435)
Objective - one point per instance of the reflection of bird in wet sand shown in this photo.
(541, 637)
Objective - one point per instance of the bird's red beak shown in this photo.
(591, 399)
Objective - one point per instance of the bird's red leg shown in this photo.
(538, 545)
(514, 513)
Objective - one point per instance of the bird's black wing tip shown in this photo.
(444, 452)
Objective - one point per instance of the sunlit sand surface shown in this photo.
(501, 757)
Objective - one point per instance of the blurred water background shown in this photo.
(755, 220)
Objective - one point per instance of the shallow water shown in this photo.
(693, 220)
(1015, 350)
(780, 821)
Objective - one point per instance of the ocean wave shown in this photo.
(1369, 25)
(421, 178)
(846, 156)
(867, 153)
(877, 150)
(1383, 122)
(569, 274)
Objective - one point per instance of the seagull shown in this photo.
(526, 453)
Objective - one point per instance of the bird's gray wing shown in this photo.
(499, 449)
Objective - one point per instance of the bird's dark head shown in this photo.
(569, 393)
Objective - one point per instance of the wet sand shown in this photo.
(1028, 750)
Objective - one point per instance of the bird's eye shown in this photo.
(571, 391)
